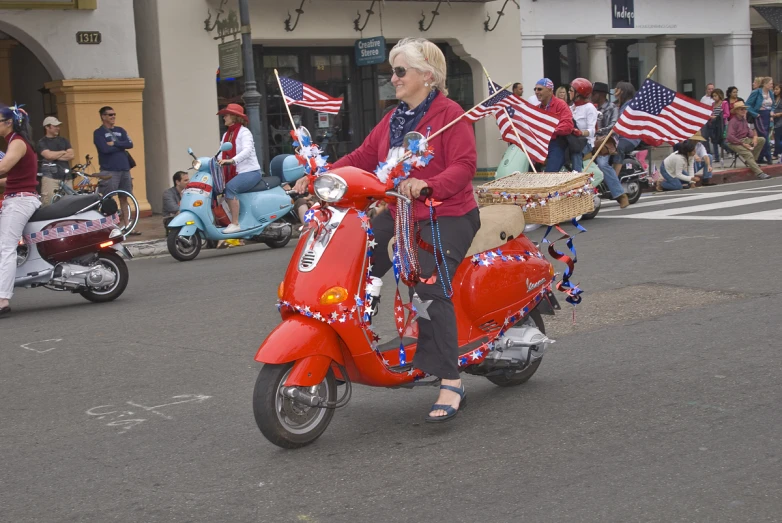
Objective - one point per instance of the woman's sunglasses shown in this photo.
(400, 72)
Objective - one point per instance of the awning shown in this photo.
(772, 15)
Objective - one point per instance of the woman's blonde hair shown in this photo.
(425, 56)
(765, 79)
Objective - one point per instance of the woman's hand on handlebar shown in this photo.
(413, 187)
(302, 185)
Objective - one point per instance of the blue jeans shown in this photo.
(577, 159)
(702, 165)
(670, 183)
(242, 182)
(556, 155)
(609, 176)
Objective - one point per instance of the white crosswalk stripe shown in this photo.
(753, 202)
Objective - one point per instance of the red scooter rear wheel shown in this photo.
(286, 422)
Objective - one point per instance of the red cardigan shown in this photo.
(449, 173)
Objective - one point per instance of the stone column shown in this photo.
(666, 62)
(6, 96)
(78, 102)
(531, 61)
(598, 59)
(733, 62)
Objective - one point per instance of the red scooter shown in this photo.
(326, 337)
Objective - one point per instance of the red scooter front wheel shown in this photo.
(283, 413)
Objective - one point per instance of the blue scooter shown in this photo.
(260, 216)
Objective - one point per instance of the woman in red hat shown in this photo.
(242, 171)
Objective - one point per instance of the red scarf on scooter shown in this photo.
(229, 170)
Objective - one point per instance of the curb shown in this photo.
(737, 175)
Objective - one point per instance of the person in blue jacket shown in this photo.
(113, 143)
(759, 106)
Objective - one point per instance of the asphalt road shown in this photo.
(661, 403)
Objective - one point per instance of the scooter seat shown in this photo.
(64, 207)
(499, 223)
(266, 183)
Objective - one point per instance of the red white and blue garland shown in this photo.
(310, 155)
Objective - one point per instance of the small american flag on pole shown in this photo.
(298, 93)
(534, 126)
(659, 115)
(488, 107)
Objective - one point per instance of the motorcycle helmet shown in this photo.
(582, 87)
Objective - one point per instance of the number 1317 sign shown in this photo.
(88, 37)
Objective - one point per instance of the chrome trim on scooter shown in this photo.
(317, 246)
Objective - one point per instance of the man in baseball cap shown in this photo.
(544, 91)
(55, 153)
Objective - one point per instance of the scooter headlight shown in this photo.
(197, 164)
(330, 187)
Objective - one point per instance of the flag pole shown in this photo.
(515, 131)
(597, 153)
(287, 107)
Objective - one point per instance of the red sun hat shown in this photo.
(234, 109)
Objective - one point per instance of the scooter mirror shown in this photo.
(190, 151)
(412, 136)
(226, 146)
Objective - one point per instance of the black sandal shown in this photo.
(450, 412)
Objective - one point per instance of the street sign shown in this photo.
(370, 51)
(230, 54)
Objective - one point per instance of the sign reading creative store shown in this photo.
(370, 51)
(622, 14)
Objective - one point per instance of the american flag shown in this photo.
(488, 107)
(297, 93)
(659, 115)
(534, 125)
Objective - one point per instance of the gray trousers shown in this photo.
(437, 352)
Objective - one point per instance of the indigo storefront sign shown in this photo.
(622, 14)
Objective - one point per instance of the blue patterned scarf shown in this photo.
(405, 120)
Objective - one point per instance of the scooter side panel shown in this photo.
(490, 293)
(260, 207)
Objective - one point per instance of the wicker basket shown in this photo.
(545, 198)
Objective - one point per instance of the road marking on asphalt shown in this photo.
(101, 412)
(26, 346)
(680, 212)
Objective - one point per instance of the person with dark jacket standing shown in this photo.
(544, 91)
(113, 143)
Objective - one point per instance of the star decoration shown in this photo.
(421, 307)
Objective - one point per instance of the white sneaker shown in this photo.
(531, 227)
(232, 229)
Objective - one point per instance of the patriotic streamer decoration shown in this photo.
(573, 291)
(417, 155)
(310, 155)
(71, 230)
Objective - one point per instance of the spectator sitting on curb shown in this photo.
(703, 160)
(173, 195)
(678, 168)
(743, 141)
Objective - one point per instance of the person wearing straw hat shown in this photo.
(703, 160)
(743, 141)
(240, 164)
